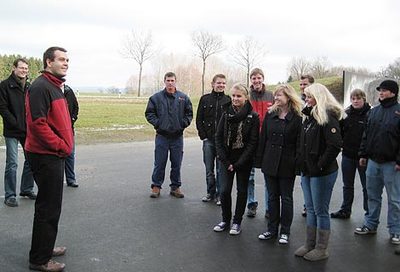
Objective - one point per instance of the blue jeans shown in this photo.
(349, 167)
(381, 175)
(163, 146)
(317, 196)
(210, 162)
(10, 173)
(70, 167)
(251, 197)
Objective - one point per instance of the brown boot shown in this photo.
(177, 193)
(155, 192)
(59, 251)
(311, 233)
(50, 266)
(320, 252)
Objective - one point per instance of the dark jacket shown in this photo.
(169, 113)
(49, 129)
(209, 112)
(73, 106)
(240, 158)
(352, 128)
(381, 139)
(319, 146)
(12, 107)
(278, 144)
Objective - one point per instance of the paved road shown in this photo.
(110, 224)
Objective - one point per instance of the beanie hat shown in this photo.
(389, 85)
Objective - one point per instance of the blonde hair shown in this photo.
(241, 87)
(325, 102)
(294, 101)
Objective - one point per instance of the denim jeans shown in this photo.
(317, 196)
(210, 162)
(381, 175)
(349, 167)
(163, 146)
(280, 194)
(70, 167)
(242, 180)
(10, 173)
(251, 197)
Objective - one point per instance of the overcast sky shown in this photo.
(360, 33)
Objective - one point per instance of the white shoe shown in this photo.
(283, 239)
(235, 229)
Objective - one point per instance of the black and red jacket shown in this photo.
(49, 129)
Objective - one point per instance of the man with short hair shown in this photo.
(261, 100)
(49, 141)
(305, 81)
(12, 109)
(209, 112)
(381, 147)
(170, 112)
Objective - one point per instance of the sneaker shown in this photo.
(155, 192)
(364, 230)
(30, 195)
(340, 215)
(235, 229)
(252, 210)
(221, 227)
(49, 266)
(283, 239)
(218, 201)
(304, 212)
(395, 239)
(266, 214)
(11, 202)
(73, 184)
(177, 193)
(207, 198)
(266, 235)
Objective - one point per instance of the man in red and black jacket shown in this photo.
(49, 141)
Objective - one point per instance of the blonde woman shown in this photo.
(277, 155)
(320, 143)
(236, 141)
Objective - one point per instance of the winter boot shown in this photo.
(320, 252)
(310, 242)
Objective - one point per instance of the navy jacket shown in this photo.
(169, 113)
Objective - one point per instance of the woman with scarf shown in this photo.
(276, 155)
(320, 143)
(236, 142)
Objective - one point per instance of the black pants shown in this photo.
(48, 172)
(280, 192)
(242, 180)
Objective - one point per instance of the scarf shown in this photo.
(58, 82)
(234, 123)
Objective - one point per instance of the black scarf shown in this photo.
(234, 125)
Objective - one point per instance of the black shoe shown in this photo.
(252, 209)
(11, 202)
(340, 215)
(73, 184)
(30, 195)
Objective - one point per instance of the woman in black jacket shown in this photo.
(236, 141)
(320, 143)
(277, 153)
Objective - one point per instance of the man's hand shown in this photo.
(230, 168)
(397, 167)
(363, 162)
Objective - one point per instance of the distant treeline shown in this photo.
(6, 63)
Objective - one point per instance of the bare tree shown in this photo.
(320, 67)
(207, 45)
(392, 71)
(298, 67)
(138, 46)
(246, 53)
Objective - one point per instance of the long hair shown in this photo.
(325, 102)
(294, 102)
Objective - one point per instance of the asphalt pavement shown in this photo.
(110, 223)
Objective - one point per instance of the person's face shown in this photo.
(281, 99)
(384, 94)
(304, 83)
(357, 102)
(310, 101)
(257, 81)
(58, 66)
(219, 85)
(170, 84)
(21, 71)
(238, 98)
